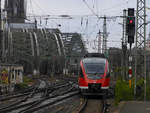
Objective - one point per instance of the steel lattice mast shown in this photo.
(140, 39)
(104, 46)
(99, 42)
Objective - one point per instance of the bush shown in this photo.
(122, 91)
(27, 80)
(20, 86)
(148, 92)
(140, 89)
(140, 93)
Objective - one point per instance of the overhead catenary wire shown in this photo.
(38, 6)
(90, 8)
(85, 22)
(102, 17)
(39, 18)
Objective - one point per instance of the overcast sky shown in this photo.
(78, 9)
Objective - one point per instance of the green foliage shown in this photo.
(140, 82)
(122, 91)
(20, 86)
(27, 80)
(140, 93)
(148, 92)
(140, 89)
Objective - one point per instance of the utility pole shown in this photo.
(140, 39)
(104, 46)
(124, 45)
(0, 17)
(99, 42)
(0, 32)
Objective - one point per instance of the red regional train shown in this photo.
(94, 75)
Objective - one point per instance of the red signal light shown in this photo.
(130, 71)
(131, 21)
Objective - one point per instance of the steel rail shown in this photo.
(83, 106)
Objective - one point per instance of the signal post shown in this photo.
(130, 32)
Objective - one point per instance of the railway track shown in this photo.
(52, 94)
(39, 88)
(26, 90)
(83, 106)
(56, 92)
(16, 102)
(21, 93)
(93, 106)
(17, 98)
(53, 101)
(38, 104)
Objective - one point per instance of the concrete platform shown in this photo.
(134, 107)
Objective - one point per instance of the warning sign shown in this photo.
(4, 76)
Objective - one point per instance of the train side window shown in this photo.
(81, 73)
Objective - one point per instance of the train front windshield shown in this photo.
(94, 68)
